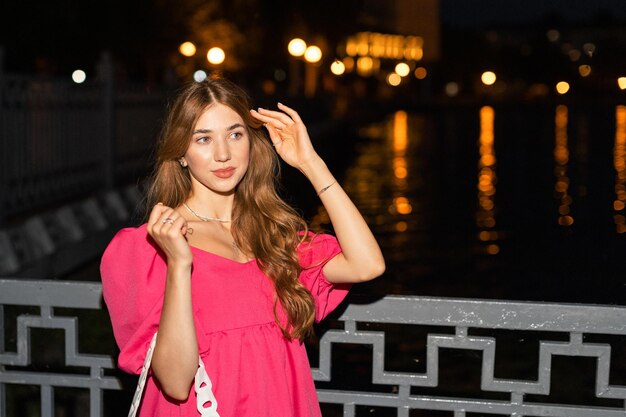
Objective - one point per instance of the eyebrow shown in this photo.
(229, 128)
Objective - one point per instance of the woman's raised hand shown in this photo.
(288, 134)
(168, 228)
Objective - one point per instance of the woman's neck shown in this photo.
(211, 205)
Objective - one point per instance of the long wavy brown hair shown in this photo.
(257, 205)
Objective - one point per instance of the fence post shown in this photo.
(107, 76)
(4, 152)
(3, 180)
(3, 397)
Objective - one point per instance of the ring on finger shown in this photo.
(168, 220)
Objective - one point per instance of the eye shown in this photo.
(236, 135)
(203, 139)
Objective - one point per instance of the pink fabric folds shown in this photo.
(255, 371)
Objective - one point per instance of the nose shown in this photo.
(222, 150)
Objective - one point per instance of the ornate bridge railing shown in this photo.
(407, 343)
(16, 367)
(467, 318)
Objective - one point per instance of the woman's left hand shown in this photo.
(288, 134)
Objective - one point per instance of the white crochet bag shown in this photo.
(202, 386)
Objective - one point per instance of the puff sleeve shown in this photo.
(313, 255)
(133, 275)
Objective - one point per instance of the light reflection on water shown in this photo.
(487, 178)
(619, 162)
(412, 179)
(561, 159)
(408, 180)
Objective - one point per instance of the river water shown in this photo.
(510, 202)
(491, 202)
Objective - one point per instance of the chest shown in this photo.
(230, 295)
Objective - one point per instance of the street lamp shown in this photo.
(187, 49)
(402, 69)
(79, 76)
(312, 56)
(337, 67)
(296, 47)
(488, 77)
(562, 87)
(215, 56)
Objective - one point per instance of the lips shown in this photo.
(224, 173)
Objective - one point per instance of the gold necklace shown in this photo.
(205, 218)
(234, 244)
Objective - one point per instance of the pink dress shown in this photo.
(255, 371)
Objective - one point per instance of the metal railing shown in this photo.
(560, 330)
(14, 366)
(59, 140)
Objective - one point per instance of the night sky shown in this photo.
(69, 33)
(473, 13)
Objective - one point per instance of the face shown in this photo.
(219, 151)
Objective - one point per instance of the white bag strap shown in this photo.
(204, 393)
(202, 385)
(134, 406)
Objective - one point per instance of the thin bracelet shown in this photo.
(326, 188)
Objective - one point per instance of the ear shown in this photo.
(182, 162)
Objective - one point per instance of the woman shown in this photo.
(223, 268)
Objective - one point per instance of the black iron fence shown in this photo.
(60, 140)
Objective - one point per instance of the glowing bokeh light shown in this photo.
(562, 87)
(420, 73)
(337, 67)
(364, 65)
(403, 206)
(296, 47)
(584, 70)
(402, 69)
(621, 82)
(313, 54)
(488, 77)
(394, 79)
(493, 249)
(79, 76)
(199, 76)
(216, 55)
(348, 62)
(187, 49)
(402, 226)
(589, 49)
(553, 35)
(574, 55)
(452, 89)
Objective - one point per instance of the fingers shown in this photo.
(165, 221)
(277, 115)
(291, 112)
(155, 214)
(275, 137)
(278, 119)
(269, 121)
